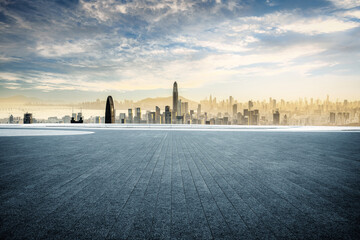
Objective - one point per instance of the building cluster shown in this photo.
(225, 112)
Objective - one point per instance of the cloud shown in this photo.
(282, 22)
(52, 50)
(346, 4)
(350, 14)
(142, 45)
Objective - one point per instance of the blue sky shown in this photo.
(83, 50)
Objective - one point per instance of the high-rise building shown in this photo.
(157, 115)
(73, 116)
(66, 119)
(199, 110)
(285, 122)
(186, 107)
(175, 100)
(122, 118)
(332, 118)
(276, 118)
(254, 117)
(167, 115)
(179, 112)
(97, 119)
(137, 118)
(151, 117)
(130, 116)
(183, 108)
(234, 109)
(11, 119)
(251, 104)
(231, 100)
(28, 118)
(109, 111)
(79, 116)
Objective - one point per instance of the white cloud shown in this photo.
(107, 10)
(350, 14)
(346, 4)
(283, 22)
(56, 50)
(319, 25)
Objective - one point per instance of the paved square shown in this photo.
(132, 184)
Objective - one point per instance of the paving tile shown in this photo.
(134, 184)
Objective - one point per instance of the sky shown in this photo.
(84, 50)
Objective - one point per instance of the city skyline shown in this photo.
(210, 111)
(134, 50)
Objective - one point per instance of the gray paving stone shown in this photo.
(134, 184)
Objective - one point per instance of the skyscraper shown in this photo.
(234, 109)
(122, 118)
(137, 118)
(178, 111)
(28, 118)
(130, 116)
(175, 100)
(167, 115)
(97, 119)
(74, 116)
(332, 118)
(109, 111)
(79, 116)
(276, 118)
(157, 115)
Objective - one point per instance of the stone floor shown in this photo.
(134, 184)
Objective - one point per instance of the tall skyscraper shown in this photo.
(137, 118)
(109, 111)
(11, 119)
(250, 105)
(157, 115)
(178, 111)
(175, 100)
(97, 119)
(234, 109)
(28, 118)
(276, 118)
(167, 115)
(183, 108)
(130, 116)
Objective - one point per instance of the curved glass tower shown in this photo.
(109, 111)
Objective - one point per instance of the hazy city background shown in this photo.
(304, 111)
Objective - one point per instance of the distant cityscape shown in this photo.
(303, 112)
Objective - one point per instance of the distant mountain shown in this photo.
(145, 104)
(161, 102)
(20, 99)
